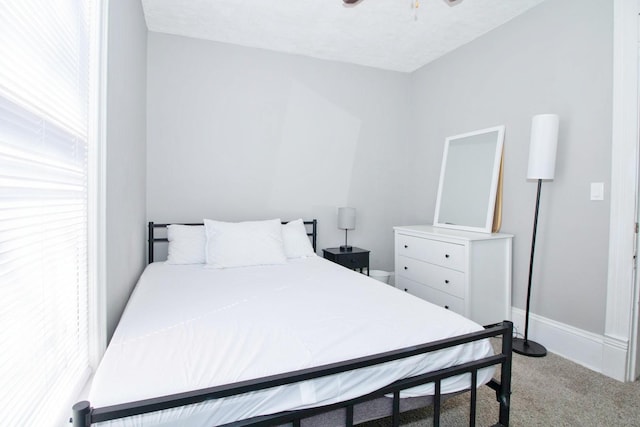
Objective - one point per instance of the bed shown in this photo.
(301, 342)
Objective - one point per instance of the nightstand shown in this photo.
(357, 258)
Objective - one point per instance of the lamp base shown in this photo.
(528, 348)
(346, 248)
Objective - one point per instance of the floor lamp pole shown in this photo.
(523, 345)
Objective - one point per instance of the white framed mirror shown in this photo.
(469, 180)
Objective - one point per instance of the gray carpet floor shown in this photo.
(548, 391)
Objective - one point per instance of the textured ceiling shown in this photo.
(386, 34)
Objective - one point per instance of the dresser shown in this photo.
(466, 272)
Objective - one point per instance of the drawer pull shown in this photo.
(405, 289)
(406, 268)
(446, 255)
(405, 246)
(446, 281)
(447, 307)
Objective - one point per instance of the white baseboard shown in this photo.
(579, 346)
(615, 358)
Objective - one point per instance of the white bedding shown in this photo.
(187, 327)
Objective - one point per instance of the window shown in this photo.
(45, 143)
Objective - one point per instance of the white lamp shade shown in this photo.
(346, 218)
(542, 149)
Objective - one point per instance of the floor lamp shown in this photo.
(542, 163)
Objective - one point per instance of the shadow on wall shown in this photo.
(319, 139)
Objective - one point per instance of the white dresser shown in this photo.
(467, 272)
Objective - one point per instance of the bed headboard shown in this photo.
(311, 225)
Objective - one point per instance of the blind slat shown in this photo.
(48, 43)
(44, 193)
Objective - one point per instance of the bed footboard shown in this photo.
(84, 415)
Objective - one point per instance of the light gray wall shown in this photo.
(557, 58)
(237, 133)
(125, 154)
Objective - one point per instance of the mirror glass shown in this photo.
(469, 179)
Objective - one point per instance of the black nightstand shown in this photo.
(357, 258)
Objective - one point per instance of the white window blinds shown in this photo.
(45, 51)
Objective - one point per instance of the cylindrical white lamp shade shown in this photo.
(542, 149)
(346, 218)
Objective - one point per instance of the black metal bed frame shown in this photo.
(313, 234)
(84, 415)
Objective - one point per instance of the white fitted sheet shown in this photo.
(187, 327)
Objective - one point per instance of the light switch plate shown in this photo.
(597, 191)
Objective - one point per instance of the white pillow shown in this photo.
(239, 244)
(295, 239)
(186, 244)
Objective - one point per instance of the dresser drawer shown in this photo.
(432, 295)
(450, 255)
(444, 300)
(441, 278)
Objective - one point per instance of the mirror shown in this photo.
(469, 180)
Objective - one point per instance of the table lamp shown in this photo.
(346, 222)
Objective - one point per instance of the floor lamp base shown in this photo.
(528, 348)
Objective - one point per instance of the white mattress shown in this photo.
(189, 327)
